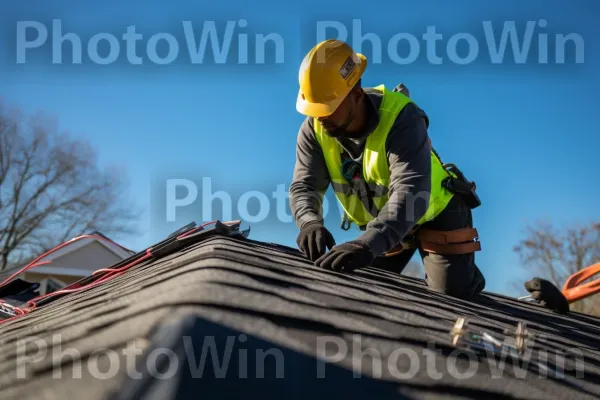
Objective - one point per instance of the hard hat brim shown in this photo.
(317, 110)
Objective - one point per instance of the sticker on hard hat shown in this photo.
(347, 68)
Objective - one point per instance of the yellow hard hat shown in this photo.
(327, 74)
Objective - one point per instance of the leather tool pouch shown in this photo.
(461, 186)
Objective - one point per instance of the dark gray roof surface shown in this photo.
(259, 297)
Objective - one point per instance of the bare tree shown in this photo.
(556, 254)
(51, 189)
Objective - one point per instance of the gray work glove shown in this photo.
(314, 239)
(347, 257)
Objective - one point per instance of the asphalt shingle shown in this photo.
(244, 299)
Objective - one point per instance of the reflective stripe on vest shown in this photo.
(376, 172)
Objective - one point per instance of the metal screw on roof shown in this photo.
(521, 335)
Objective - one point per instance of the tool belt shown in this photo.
(459, 241)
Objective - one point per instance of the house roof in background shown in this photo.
(115, 243)
(262, 297)
(6, 273)
(101, 239)
(108, 243)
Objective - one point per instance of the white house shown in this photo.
(72, 262)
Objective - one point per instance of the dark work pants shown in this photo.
(454, 274)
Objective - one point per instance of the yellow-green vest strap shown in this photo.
(375, 167)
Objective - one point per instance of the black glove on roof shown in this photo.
(548, 295)
(314, 239)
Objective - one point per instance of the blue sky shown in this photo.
(525, 132)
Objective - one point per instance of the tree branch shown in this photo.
(52, 190)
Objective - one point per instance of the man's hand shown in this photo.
(314, 240)
(346, 257)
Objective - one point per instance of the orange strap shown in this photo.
(399, 249)
(575, 290)
(460, 241)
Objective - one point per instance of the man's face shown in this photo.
(336, 123)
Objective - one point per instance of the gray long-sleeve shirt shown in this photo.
(409, 158)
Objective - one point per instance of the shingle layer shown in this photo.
(267, 313)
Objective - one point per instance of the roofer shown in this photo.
(372, 146)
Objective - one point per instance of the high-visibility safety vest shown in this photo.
(376, 172)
